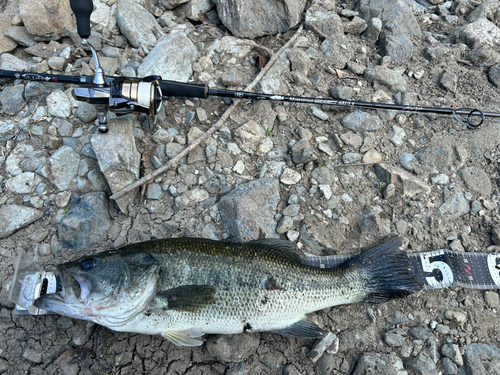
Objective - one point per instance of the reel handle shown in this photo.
(82, 10)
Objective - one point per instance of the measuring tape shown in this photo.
(439, 269)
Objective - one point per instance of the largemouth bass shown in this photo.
(183, 288)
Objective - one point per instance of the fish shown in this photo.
(185, 288)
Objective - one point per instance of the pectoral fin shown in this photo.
(303, 329)
(189, 337)
(188, 298)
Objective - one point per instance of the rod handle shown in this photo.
(82, 10)
(190, 90)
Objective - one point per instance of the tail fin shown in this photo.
(387, 272)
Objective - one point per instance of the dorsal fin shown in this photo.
(286, 248)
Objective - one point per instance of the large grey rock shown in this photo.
(398, 25)
(20, 35)
(6, 44)
(14, 217)
(11, 62)
(64, 167)
(118, 157)
(454, 204)
(325, 22)
(248, 211)
(481, 359)
(360, 121)
(480, 33)
(58, 104)
(391, 77)
(251, 19)
(86, 223)
(12, 99)
(476, 180)
(137, 24)
(23, 183)
(172, 58)
(47, 19)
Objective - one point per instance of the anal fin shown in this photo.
(188, 337)
(303, 329)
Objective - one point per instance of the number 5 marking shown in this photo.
(443, 267)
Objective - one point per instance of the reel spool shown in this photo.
(142, 95)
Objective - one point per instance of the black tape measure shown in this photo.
(439, 269)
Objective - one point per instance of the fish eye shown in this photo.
(88, 264)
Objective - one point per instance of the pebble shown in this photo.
(455, 316)
(319, 113)
(452, 351)
(154, 191)
(325, 148)
(291, 210)
(239, 167)
(294, 199)
(448, 367)
(284, 225)
(326, 190)
(419, 332)
(372, 156)
(360, 121)
(292, 235)
(443, 329)
(491, 298)
(408, 161)
(397, 135)
(440, 179)
(351, 157)
(399, 318)
(422, 364)
(58, 104)
(394, 337)
(290, 177)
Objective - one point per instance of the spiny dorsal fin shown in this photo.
(283, 247)
(188, 298)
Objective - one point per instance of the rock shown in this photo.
(291, 210)
(249, 135)
(337, 51)
(64, 167)
(378, 363)
(448, 367)
(172, 58)
(86, 223)
(398, 47)
(495, 235)
(14, 217)
(454, 204)
(323, 175)
(341, 92)
(420, 333)
(103, 15)
(319, 113)
(452, 351)
(480, 33)
(351, 157)
(290, 177)
(390, 77)
(86, 112)
(171, 4)
(422, 364)
(455, 316)
(284, 225)
(260, 17)
(375, 221)
(477, 180)
(154, 191)
(359, 121)
(411, 186)
(435, 157)
(58, 104)
(36, 92)
(394, 337)
(138, 25)
(4, 365)
(248, 210)
(47, 19)
(273, 81)
(64, 127)
(302, 152)
(12, 99)
(195, 9)
(322, 21)
(232, 348)
(481, 359)
(494, 74)
(373, 29)
(6, 43)
(449, 81)
(174, 149)
(20, 35)
(397, 135)
(491, 298)
(118, 158)
(8, 131)
(372, 156)
(33, 354)
(10, 62)
(23, 183)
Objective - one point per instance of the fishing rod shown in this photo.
(144, 95)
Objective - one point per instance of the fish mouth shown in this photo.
(69, 295)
